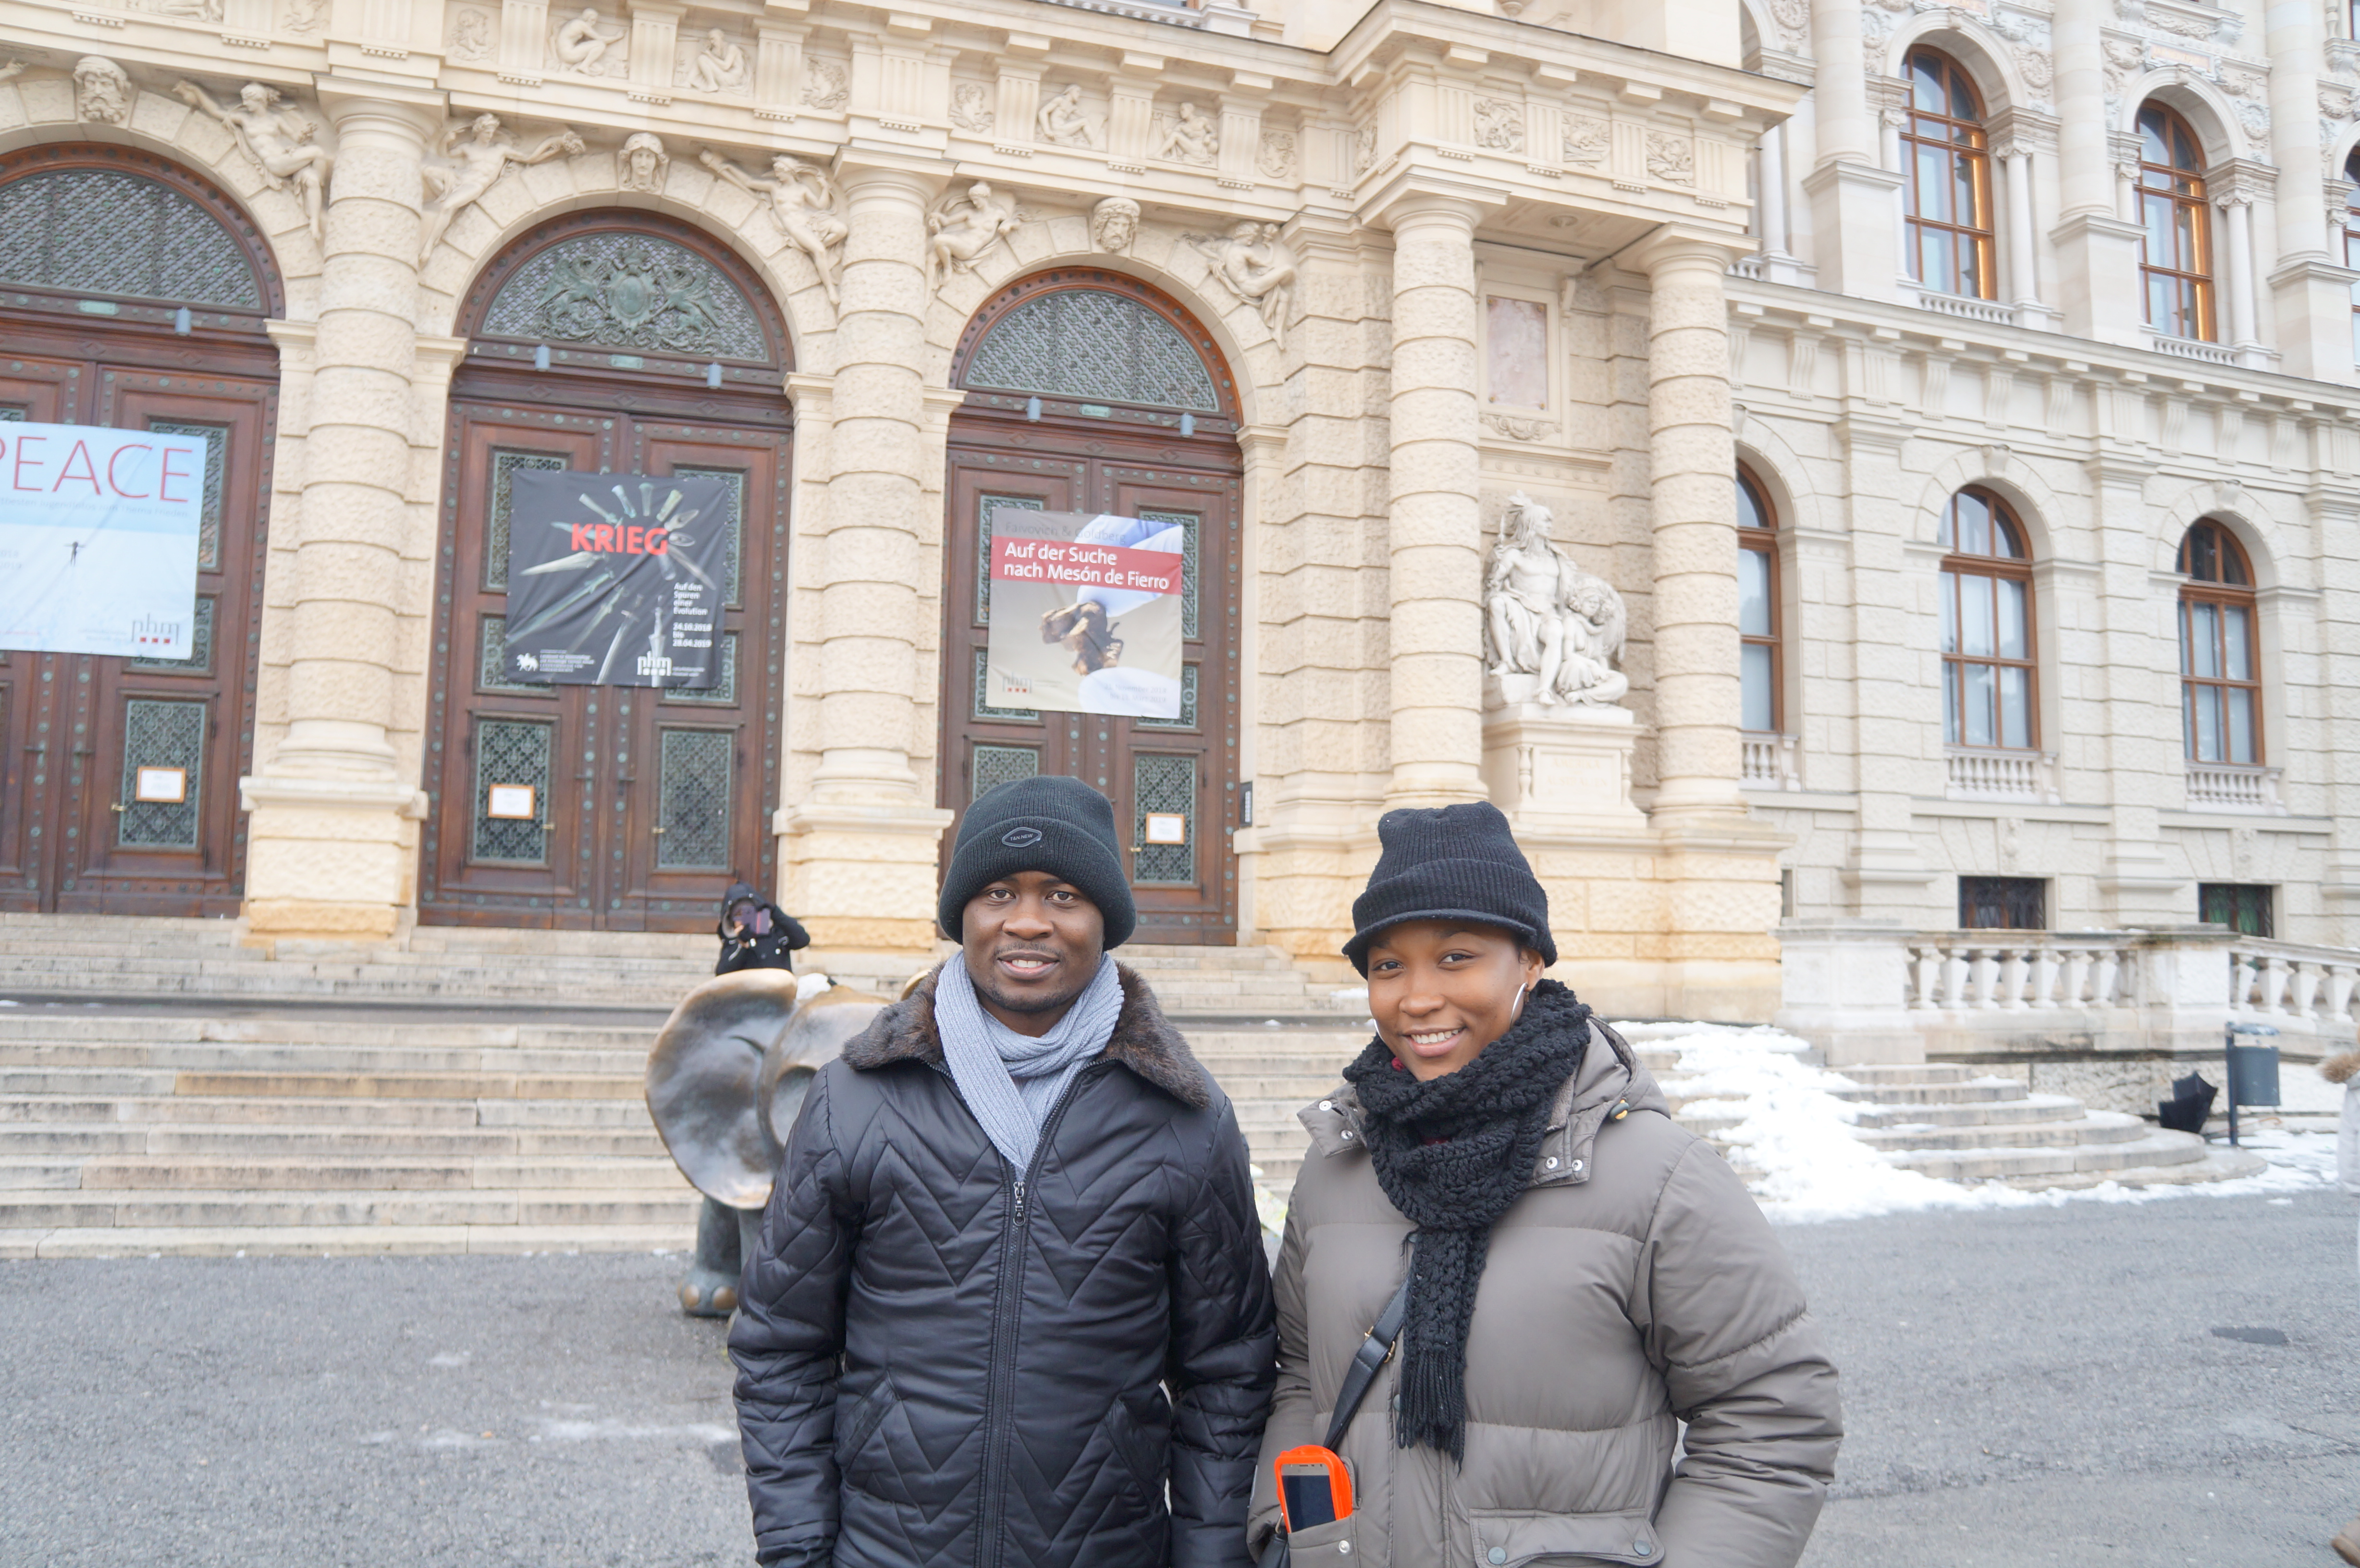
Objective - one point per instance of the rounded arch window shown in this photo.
(1945, 169)
(1990, 666)
(2176, 228)
(1758, 606)
(82, 225)
(2352, 236)
(1093, 345)
(2219, 680)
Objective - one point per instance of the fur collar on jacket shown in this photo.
(1143, 1040)
(2341, 1069)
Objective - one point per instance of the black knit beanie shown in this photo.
(1061, 826)
(1446, 863)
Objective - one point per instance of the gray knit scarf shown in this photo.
(1012, 1081)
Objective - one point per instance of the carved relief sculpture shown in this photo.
(643, 165)
(102, 91)
(802, 200)
(962, 228)
(479, 153)
(471, 36)
(971, 109)
(719, 65)
(1191, 138)
(1553, 633)
(277, 137)
(305, 15)
(1670, 159)
(1114, 224)
(1584, 141)
(191, 10)
(586, 46)
(1061, 121)
(1276, 156)
(1499, 125)
(1257, 266)
(1364, 148)
(12, 70)
(825, 85)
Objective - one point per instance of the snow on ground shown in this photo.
(1792, 1137)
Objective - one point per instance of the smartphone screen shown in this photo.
(1310, 1497)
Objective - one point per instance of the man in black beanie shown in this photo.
(1010, 1305)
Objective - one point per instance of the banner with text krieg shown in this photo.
(1085, 614)
(615, 579)
(98, 539)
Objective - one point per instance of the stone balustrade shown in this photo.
(2002, 775)
(1767, 761)
(2021, 971)
(2274, 981)
(2234, 787)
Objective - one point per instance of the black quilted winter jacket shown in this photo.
(945, 1362)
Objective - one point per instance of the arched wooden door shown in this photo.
(610, 341)
(1087, 391)
(136, 295)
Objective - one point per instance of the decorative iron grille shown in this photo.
(162, 735)
(983, 708)
(1095, 345)
(209, 524)
(14, 413)
(1189, 523)
(723, 693)
(998, 765)
(1187, 719)
(985, 508)
(693, 805)
(97, 231)
(509, 751)
(1163, 784)
(628, 290)
(201, 647)
(733, 480)
(505, 466)
(492, 661)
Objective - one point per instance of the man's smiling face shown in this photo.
(1032, 943)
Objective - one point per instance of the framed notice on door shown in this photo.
(1085, 613)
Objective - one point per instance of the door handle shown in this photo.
(118, 808)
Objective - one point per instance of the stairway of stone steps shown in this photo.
(135, 956)
(1958, 1123)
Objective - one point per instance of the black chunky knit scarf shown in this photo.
(1452, 1155)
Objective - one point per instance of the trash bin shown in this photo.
(2253, 1072)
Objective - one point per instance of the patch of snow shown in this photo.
(812, 984)
(611, 1431)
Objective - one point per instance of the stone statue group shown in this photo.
(1552, 632)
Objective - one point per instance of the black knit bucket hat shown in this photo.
(1058, 825)
(1450, 863)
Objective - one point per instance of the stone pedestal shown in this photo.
(1843, 984)
(1555, 768)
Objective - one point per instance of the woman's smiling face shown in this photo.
(1442, 990)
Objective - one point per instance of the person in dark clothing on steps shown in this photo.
(756, 933)
(1010, 1307)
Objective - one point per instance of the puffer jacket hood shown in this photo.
(946, 1362)
(1635, 1286)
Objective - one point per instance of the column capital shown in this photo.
(865, 169)
(1672, 249)
(1416, 194)
(353, 106)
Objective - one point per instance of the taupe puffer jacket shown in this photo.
(1634, 1285)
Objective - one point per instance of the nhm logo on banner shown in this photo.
(98, 539)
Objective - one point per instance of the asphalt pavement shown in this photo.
(2022, 1388)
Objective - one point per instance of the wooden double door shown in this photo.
(600, 807)
(1187, 767)
(75, 836)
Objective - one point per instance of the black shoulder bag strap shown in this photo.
(1376, 1349)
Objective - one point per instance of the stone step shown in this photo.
(674, 1208)
(1954, 1094)
(263, 1112)
(1907, 1119)
(202, 1057)
(359, 1172)
(2089, 1130)
(401, 1142)
(335, 1241)
(2153, 1147)
(412, 1085)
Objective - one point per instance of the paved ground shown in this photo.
(2025, 1388)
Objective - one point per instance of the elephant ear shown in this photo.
(703, 1077)
(815, 1035)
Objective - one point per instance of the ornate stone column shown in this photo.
(333, 778)
(1436, 537)
(2097, 246)
(2310, 286)
(2024, 277)
(1854, 198)
(1693, 465)
(2237, 215)
(861, 845)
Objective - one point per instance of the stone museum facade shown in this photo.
(1845, 479)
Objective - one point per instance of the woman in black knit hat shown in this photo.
(1577, 1275)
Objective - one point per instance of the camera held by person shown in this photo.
(756, 933)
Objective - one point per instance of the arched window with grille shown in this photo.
(1990, 667)
(2175, 242)
(1945, 169)
(1757, 607)
(2352, 236)
(2220, 676)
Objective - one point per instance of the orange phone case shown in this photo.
(1339, 1480)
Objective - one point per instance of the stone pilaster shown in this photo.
(1436, 540)
(333, 835)
(860, 844)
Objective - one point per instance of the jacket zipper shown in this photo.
(999, 1382)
